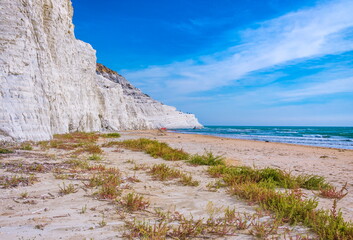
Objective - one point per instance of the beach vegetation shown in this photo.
(102, 223)
(291, 207)
(77, 164)
(138, 167)
(215, 185)
(267, 177)
(145, 230)
(95, 157)
(176, 226)
(14, 181)
(259, 186)
(5, 151)
(134, 202)
(26, 146)
(83, 209)
(154, 148)
(332, 192)
(312, 182)
(187, 180)
(162, 172)
(81, 142)
(24, 195)
(67, 189)
(108, 191)
(206, 159)
(61, 176)
(110, 135)
(107, 181)
(89, 148)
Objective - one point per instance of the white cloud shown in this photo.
(344, 85)
(303, 34)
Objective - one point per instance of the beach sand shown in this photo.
(45, 214)
(336, 165)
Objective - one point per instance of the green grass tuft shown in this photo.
(206, 159)
(5, 151)
(267, 177)
(110, 135)
(154, 148)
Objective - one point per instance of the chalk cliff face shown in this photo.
(135, 107)
(49, 82)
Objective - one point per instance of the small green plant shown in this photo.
(36, 167)
(83, 209)
(110, 135)
(27, 147)
(215, 185)
(24, 195)
(102, 223)
(187, 180)
(144, 230)
(134, 202)
(138, 167)
(130, 161)
(61, 176)
(312, 182)
(162, 172)
(64, 190)
(5, 151)
(95, 157)
(108, 191)
(206, 159)
(89, 148)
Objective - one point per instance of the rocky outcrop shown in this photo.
(49, 83)
(135, 107)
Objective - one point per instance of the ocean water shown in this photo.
(332, 137)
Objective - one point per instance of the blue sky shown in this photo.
(274, 62)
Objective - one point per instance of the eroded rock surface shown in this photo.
(49, 83)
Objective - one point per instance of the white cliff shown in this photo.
(49, 84)
(135, 106)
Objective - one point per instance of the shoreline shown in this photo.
(262, 141)
(336, 165)
(35, 209)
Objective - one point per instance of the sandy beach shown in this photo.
(39, 211)
(336, 165)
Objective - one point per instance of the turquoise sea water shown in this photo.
(333, 137)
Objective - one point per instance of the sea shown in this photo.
(331, 137)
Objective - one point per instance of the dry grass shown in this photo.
(67, 189)
(81, 142)
(15, 181)
(153, 148)
(134, 202)
(162, 172)
(334, 193)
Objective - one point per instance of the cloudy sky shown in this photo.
(231, 62)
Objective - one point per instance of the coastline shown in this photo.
(37, 210)
(336, 165)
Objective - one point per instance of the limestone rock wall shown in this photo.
(48, 80)
(147, 112)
